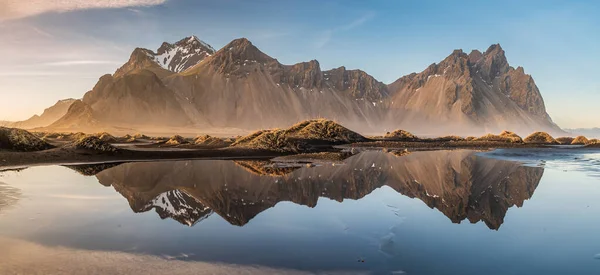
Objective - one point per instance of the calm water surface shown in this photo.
(437, 212)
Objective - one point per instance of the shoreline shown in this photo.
(65, 156)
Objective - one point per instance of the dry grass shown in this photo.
(106, 137)
(265, 168)
(94, 143)
(400, 153)
(505, 136)
(565, 140)
(207, 140)
(593, 141)
(176, 140)
(580, 140)
(540, 138)
(446, 139)
(21, 140)
(323, 129)
(401, 135)
(140, 136)
(296, 138)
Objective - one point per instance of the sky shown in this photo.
(56, 49)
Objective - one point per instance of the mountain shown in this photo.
(468, 92)
(459, 184)
(187, 85)
(5, 123)
(588, 132)
(49, 116)
(78, 116)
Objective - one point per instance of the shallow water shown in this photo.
(436, 212)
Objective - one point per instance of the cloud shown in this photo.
(326, 35)
(80, 62)
(13, 9)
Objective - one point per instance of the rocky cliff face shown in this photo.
(459, 184)
(475, 91)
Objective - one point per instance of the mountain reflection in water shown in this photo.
(460, 184)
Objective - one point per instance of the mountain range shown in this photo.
(189, 85)
(460, 184)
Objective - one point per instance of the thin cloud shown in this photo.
(326, 35)
(13, 9)
(80, 62)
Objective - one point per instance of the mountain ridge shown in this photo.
(239, 86)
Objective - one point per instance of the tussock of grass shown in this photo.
(21, 140)
(540, 138)
(580, 140)
(505, 136)
(401, 135)
(94, 143)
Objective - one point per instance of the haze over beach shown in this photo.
(299, 137)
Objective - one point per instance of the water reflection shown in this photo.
(460, 184)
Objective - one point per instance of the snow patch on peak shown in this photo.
(182, 55)
(180, 207)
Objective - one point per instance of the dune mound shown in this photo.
(299, 137)
(176, 140)
(565, 140)
(580, 140)
(446, 139)
(94, 143)
(540, 138)
(106, 137)
(593, 141)
(325, 130)
(400, 135)
(21, 140)
(141, 136)
(265, 168)
(275, 140)
(207, 140)
(505, 136)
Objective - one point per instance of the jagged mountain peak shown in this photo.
(178, 57)
(243, 49)
(494, 48)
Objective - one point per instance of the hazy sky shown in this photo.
(53, 49)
